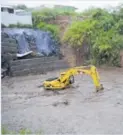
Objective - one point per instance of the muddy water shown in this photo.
(75, 110)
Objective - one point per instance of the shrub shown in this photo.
(54, 29)
(21, 132)
(47, 14)
(102, 32)
(19, 25)
(78, 32)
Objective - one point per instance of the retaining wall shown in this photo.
(36, 66)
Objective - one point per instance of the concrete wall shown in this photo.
(7, 18)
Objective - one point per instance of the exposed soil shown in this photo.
(75, 110)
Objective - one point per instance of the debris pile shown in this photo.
(8, 52)
(18, 43)
(33, 40)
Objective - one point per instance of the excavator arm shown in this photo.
(64, 80)
(92, 71)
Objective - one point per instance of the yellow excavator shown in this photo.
(66, 79)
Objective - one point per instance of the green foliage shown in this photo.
(54, 29)
(24, 132)
(18, 25)
(106, 48)
(104, 33)
(78, 31)
(44, 15)
(48, 14)
(89, 12)
(21, 6)
(4, 131)
(52, 12)
(119, 26)
(41, 19)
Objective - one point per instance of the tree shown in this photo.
(21, 7)
(103, 31)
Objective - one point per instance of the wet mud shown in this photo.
(75, 110)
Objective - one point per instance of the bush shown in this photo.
(18, 25)
(44, 15)
(12, 26)
(54, 29)
(102, 32)
(21, 132)
(47, 14)
(78, 32)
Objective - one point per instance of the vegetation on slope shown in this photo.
(103, 31)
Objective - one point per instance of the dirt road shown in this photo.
(74, 111)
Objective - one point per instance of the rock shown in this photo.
(3, 72)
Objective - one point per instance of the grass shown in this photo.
(4, 131)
